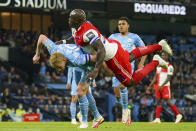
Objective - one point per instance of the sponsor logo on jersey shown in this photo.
(129, 40)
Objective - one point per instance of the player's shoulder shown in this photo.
(133, 35)
(87, 25)
(114, 35)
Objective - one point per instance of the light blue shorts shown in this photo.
(79, 75)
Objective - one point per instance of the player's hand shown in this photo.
(68, 86)
(148, 90)
(59, 42)
(36, 59)
(94, 85)
(140, 66)
(91, 76)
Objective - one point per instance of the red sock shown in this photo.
(158, 111)
(174, 109)
(145, 50)
(139, 74)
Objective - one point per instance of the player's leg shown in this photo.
(166, 96)
(73, 109)
(83, 104)
(145, 50)
(158, 108)
(126, 113)
(98, 119)
(115, 85)
(139, 74)
(73, 101)
(82, 99)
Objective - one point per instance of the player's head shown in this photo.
(76, 18)
(58, 61)
(123, 25)
(165, 56)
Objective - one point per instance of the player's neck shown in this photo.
(124, 33)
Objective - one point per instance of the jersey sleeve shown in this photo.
(139, 41)
(170, 70)
(69, 75)
(90, 36)
(51, 46)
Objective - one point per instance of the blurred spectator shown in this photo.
(6, 98)
(6, 117)
(40, 114)
(33, 100)
(17, 79)
(3, 73)
(13, 114)
(54, 99)
(19, 92)
(26, 90)
(48, 77)
(30, 110)
(62, 77)
(20, 112)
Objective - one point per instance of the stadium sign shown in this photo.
(46, 4)
(159, 9)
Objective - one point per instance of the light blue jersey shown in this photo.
(75, 56)
(129, 42)
(72, 52)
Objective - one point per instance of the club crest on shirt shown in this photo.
(129, 40)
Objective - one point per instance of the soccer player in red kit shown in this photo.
(161, 84)
(109, 51)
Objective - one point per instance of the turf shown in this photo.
(106, 126)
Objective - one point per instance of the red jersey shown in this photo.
(87, 34)
(162, 74)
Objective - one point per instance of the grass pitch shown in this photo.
(106, 126)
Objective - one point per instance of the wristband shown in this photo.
(64, 41)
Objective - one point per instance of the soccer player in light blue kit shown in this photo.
(73, 56)
(129, 41)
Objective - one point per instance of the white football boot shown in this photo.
(79, 116)
(165, 47)
(178, 118)
(156, 121)
(73, 121)
(83, 125)
(126, 116)
(97, 121)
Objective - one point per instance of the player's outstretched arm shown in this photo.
(99, 47)
(41, 40)
(70, 40)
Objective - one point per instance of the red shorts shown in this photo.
(165, 93)
(120, 65)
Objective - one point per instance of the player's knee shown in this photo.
(81, 91)
(74, 99)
